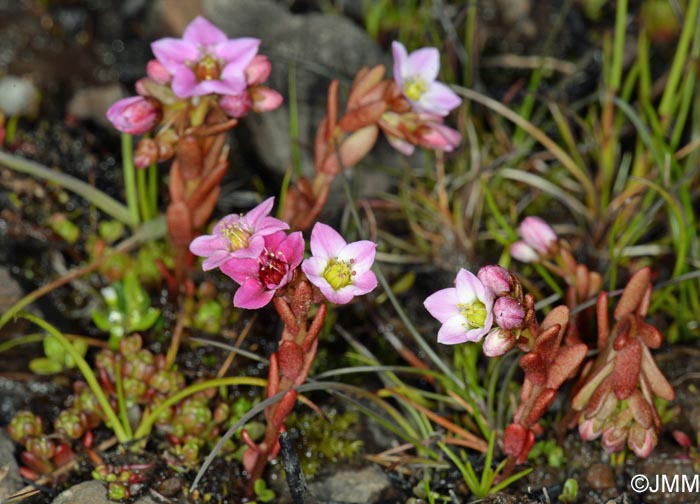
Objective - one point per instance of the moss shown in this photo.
(325, 440)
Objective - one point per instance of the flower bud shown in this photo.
(508, 313)
(538, 234)
(497, 279)
(641, 441)
(130, 344)
(157, 72)
(498, 342)
(147, 153)
(134, 115)
(434, 135)
(258, 70)
(238, 105)
(71, 423)
(523, 252)
(265, 99)
(589, 430)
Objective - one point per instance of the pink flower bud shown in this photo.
(157, 72)
(134, 115)
(258, 70)
(614, 438)
(236, 106)
(508, 313)
(496, 278)
(587, 430)
(146, 153)
(523, 252)
(265, 99)
(641, 441)
(498, 342)
(437, 136)
(538, 234)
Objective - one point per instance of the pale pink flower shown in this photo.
(523, 252)
(134, 115)
(237, 236)
(538, 234)
(415, 75)
(465, 310)
(272, 269)
(339, 269)
(205, 60)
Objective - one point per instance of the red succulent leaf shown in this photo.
(547, 342)
(208, 182)
(582, 281)
(189, 156)
(633, 294)
(628, 364)
(364, 81)
(534, 367)
(179, 222)
(649, 334)
(176, 182)
(273, 377)
(202, 212)
(321, 143)
(592, 382)
(291, 359)
(351, 150)
(643, 307)
(331, 110)
(559, 316)
(514, 439)
(565, 364)
(657, 381)
(363, 116)
(543, 401)
(284, 408)
(621, 333)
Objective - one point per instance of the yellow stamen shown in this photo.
(414, 88)
(475, 313)
(338, 273)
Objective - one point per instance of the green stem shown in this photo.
(144, 205)
(108, 205)
(129, 179)
(120, 398)
(89, 376)
(11, 129)
(619, 45)
(153, 188)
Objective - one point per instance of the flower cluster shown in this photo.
(202, 69)
(469, 310)
(256, 252)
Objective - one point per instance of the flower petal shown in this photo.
(233, 85)
(438, 99)
(293, 249)
(453, 331)
(361, 253)
(174, 53)
(426, 63)
(215, 260)
(241, 270)
(239, 50)
(401, 63)
(206, 245)
(443, 304)
(326, 242)
(252, 295)
(202, 31)
(313, 268)
(340, 296)
(184, 83)
(467, 284)
(363, 283)
(256, 215)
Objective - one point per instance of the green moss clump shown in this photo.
(325, 439)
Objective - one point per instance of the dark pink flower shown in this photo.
(274, 268)
(135, 115)
(205, 60)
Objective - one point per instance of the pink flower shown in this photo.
(237, 236)
(340, 269)
(538, 234)
(508, 313)
(205, 60)
(523, 252)
(273, 269)
(135, 115)
(415, 74)
(465, 311)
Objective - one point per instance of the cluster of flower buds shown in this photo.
(44, 453)
(410, 110)
(256, 252)
(617, 397)
(541, 244)
(489, 306)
